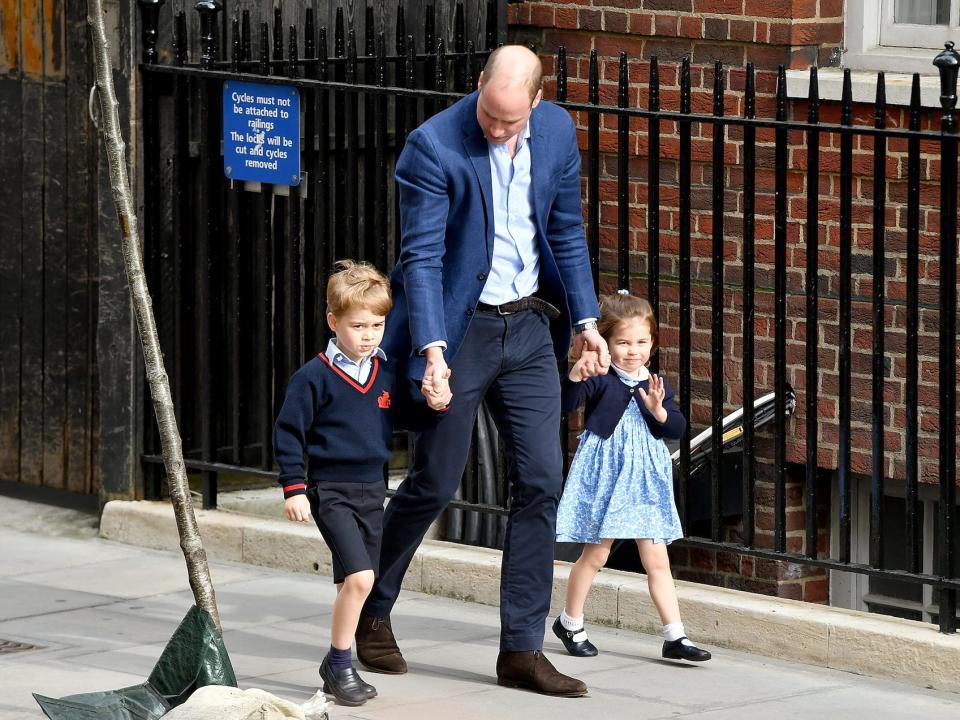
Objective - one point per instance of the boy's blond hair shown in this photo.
(358, 284)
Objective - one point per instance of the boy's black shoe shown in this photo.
(582, 648)
(347, 687)
(676, 650)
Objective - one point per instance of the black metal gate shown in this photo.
(237, 271)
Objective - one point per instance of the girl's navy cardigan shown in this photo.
(607, 397)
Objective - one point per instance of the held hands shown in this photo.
(589, 358)
(436, 380)
(437, 398)
(653, 398)
(590, 347)
(297, 508)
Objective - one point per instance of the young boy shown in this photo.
(337, 411)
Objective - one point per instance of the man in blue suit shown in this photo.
(493, 269)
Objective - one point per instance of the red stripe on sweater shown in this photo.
(354, 383)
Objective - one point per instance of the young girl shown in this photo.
(620, 483)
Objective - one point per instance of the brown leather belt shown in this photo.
(530, 302)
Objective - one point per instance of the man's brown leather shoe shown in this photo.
(377, 648)
(532, 671)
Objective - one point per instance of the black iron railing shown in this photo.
(237, 272)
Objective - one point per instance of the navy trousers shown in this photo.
(509, 360)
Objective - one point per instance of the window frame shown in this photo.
(864, 28)
(908, 35)
(852, 590)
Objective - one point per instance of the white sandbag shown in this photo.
(218, 702)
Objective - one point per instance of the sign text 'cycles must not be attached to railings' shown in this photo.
(261, 133)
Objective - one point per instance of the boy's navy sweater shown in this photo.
(607, 397)
(343, 427)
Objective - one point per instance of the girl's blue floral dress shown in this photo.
(621, 487)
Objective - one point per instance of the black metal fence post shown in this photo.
(879, 328)
(780, 319)
(948, 63)
(913, 527)
(340, 247)
(149, 19)
(232, 241)
(846, 273)
(623, 179)
(460, 77)
(352, 134)
(749, 369)
(429, 79)
(716, 315)
(208, 198)
(311, 238)
(297, 353)
(263, 281)
(653, 197)
(812, 381)
(368, 238)
(379, 179)
(685, 131)
(324, 246)
(593, 172)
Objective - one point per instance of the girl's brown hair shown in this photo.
(615, 309)
(358, 284)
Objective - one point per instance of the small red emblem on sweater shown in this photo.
(383, 402)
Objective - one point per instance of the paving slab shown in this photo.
(26, 552)
(22, 600)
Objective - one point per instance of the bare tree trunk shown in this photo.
(190, 541)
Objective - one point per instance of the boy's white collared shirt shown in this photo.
(629, 379)
(357, 371)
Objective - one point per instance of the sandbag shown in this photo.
(226, 703)
(194, 657)
(137, 702)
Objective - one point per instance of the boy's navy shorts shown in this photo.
(350, 518)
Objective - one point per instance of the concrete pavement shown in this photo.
(100, 613)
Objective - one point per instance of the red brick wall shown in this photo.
(796, 33)
(808, 32)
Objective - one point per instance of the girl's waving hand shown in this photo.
(653, 397)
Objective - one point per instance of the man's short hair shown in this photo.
(533, 82)
(358, 285)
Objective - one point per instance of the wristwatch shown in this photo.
(588, 325)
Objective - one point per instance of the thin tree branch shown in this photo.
(190, 541)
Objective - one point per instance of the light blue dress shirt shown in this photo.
(515, 268)
(357, 371)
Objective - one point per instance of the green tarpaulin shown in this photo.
(194, 657)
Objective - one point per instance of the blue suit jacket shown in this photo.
(446, 217)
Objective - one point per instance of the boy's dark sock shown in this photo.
(339, 660)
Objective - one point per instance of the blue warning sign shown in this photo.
(261, 133)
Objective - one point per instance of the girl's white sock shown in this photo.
(570, 623)
(673, 631)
